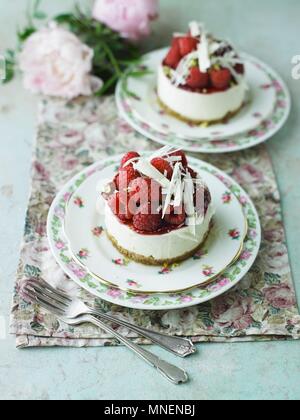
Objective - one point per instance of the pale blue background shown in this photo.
(268, 29)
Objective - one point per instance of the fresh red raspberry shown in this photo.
(175, 217)
(197, 79)
(117, 180)
(146, 190)
(187, 45)
(163, 167)
(145, 221)
(119, 208)
(129, 156)
(181, 154)
(173, 57)
(220, 79)
(125, 177)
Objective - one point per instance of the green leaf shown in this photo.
(25, 33)
(10, 74)
(107, 85)
(64, 18)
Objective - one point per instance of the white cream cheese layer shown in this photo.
(161, 247)
(197, 106)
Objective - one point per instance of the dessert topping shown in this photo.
(130, 157)
(163, 167)
(158, 191)
(147, 221)
(221, 78)
(197, 79)
(200, 50)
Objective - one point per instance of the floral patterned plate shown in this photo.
(158, 301)
(85, 226)
(145, 105)
(268, 110)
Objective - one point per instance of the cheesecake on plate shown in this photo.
(158, 210)
(202, 78)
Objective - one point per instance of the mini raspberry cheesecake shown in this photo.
(157, 209)
(202, 79)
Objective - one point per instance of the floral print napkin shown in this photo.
(72, 136)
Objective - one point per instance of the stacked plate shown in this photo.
(76, 232)
(264, 113)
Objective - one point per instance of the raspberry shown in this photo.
(119, 208)
(117, 180)
(181, 154)
(163, 167)
(144, 221)
(220, 79)
(146, 190)
(192, 173)
(197, 79)
(187, 45)
(173, 57)
(127, 157)
(176, 217)
(125, 177)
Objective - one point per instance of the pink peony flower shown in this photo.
(280, 296)
(131, 18)
(56, 63)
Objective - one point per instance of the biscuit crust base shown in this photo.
(174, 114)
(152, 261)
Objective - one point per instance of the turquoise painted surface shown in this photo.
(265, 28)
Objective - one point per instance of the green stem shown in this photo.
(107, 85)
(112, 59)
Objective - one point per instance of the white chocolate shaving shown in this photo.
(203, 54)
(145, 168)
(176, 178)
(196, 29)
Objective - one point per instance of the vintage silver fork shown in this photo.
(180, 346)
(58, 305)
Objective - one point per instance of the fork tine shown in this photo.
(48, 286)
(33, 298)
(42, 298)
(51, 295)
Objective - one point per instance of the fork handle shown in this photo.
(177, 345)
(169, 371)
